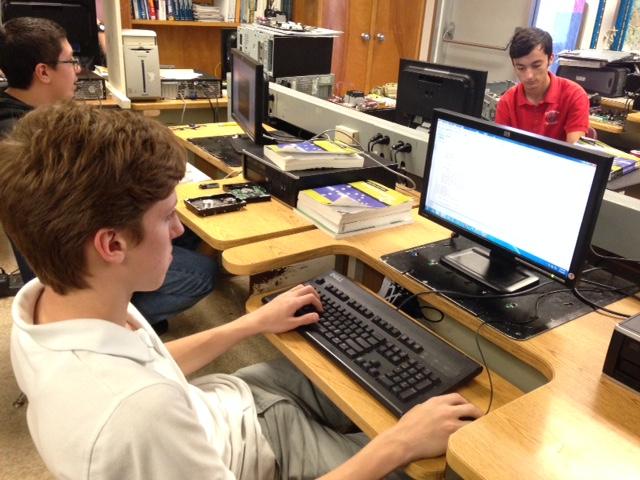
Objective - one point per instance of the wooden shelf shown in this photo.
(183, 23)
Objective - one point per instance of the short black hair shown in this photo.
(24, 43)
(525, 40)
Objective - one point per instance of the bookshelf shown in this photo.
(184, 44)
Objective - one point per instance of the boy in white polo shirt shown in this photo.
(91, 204)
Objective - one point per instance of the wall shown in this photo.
(492, 22)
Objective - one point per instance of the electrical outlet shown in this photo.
(346, 135)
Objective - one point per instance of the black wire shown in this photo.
(613, 257)
(454, 293)
(595, 306)
(486, 367)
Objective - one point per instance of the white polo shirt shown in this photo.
(106, 402)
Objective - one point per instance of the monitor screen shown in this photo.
(424, 86)
(77, 17)
(528, 199)
(247, 95)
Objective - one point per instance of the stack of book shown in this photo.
(623, 162)
(313, 154)
(356, 207)
(207, 13)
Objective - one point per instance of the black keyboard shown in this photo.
(228, 149)
(397, 361)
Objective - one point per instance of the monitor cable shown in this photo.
(324, 133)
(612, 257)
(477, 336)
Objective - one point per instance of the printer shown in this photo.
(598, 71)
(141, 64)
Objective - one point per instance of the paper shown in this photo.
(179, 74)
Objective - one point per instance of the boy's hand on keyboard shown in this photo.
(289, 310)
(425, 429)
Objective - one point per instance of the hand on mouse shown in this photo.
(282, 313)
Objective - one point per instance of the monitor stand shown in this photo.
(490, 269)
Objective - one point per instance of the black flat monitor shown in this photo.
(77, 17)
(531, 201)
(423, 86)
(248, 87)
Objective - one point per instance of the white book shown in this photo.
(231, 11)
(347, 203)
(356, 228)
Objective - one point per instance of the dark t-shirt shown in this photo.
(11, 110)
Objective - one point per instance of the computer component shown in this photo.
(424, 86)
(608, 81)
(90, 86)
(396, 360)
(203, 87)
(141, 64)
(248, 191)
(248, 94)
(320, 86)
(497, 186)
(286, 54)
(492, 95)
(286, 185)
(623, 357)
(77, 17)
(224, 148)
(214, 204)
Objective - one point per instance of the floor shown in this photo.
(18, 456)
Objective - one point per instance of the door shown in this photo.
(396, 34)
(351, 51)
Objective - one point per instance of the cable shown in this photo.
(612, 257)
(595, 306)
(184, 107)
(486, 367)
(366, 154)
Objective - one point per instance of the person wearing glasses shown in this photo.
(40, 68)
(38, 62)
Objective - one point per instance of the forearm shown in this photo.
(195, 351)
(377, 459)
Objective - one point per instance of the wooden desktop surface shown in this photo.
(579, 425)
(202, 130)
(178, 104)
(255, 222)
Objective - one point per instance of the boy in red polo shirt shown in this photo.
(542, 103)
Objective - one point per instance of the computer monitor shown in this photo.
(423, 86)
(248, 95)
(531, 201)
(77, 17)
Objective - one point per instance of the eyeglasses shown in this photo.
(74, 61)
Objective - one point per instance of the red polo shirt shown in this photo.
(565, 109)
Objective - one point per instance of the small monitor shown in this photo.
(529, 202)
(248, 95)
(77, 17)
(423, 86)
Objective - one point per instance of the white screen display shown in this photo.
(526, 199)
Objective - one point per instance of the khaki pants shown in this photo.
(308, 434)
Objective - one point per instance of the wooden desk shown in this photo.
(255, 222)
(185, 132)
(179, 104)
(579, 425)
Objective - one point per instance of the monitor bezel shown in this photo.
(257, 133)
(459, 74)
(598, 186)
